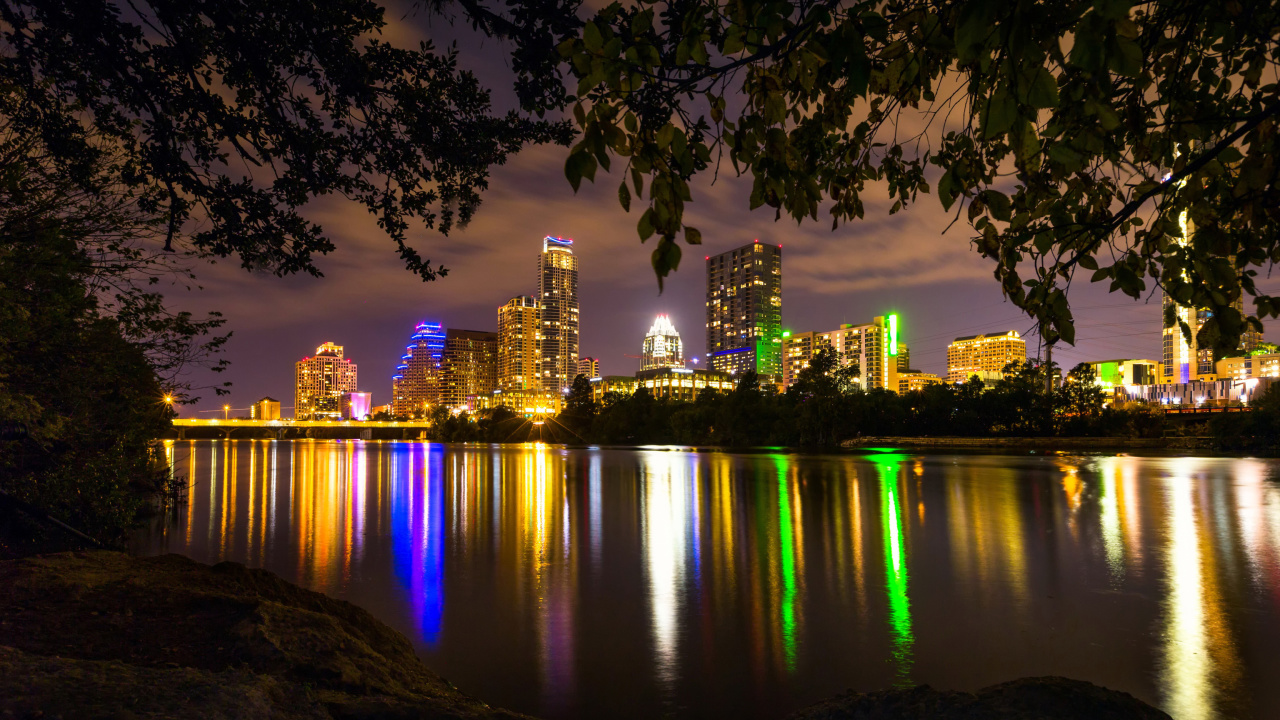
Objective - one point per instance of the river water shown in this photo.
(661, 582)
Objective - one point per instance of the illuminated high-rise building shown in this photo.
(589, 367)
(873, 347)
(984, 356)
(415, 388)
(558, 298)
(1183, 361)
(662, 346)
(798, 350)
(319, 382)
(469, 367)
(744, 310)
(519, 342)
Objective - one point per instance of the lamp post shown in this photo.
(226, 412)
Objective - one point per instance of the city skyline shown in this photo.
(1109, 327)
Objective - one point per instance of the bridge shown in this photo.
(192, 429)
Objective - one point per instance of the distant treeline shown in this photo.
(826, 407)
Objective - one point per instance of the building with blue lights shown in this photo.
(416, 386)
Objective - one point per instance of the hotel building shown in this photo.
(469, 367)
(558, 298)
(416, 385)
(984, 356)
(744, 310)
(319, 382)
(662, 346)
(519, 333)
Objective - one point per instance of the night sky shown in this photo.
(369, 303)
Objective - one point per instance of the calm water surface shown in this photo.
(584, 583)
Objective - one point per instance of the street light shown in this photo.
(226, 412)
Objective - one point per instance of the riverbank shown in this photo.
(104, 634)
(1048, 444)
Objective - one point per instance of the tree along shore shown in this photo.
(826, 408)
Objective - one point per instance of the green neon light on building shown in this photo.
(893, 334)
(895, 567)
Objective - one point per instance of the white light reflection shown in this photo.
(666, 514)
(1112, 539)
(1187, 665)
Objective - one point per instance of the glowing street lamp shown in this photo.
(226, 412)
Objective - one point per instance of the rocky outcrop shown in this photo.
(1043, 698)
(102, 634)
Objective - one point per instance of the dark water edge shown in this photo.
(667, 582)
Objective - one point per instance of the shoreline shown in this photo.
(1050, 444)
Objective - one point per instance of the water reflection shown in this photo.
(660, 582)
(895, 548)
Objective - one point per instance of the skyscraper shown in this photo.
(1183, 360)
(744, 310)
(319, 382)
(416, 385)
(662, 346)
(519, 335)
(470, 367)
(558, 297)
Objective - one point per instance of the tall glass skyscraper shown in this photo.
(416, 385)
(558, 298)
(744, 310)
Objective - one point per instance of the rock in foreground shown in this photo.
(1043, 698)
(102, 634)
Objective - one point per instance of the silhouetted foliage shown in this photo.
(227, 118)
(1078, 136)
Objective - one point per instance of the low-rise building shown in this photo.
(682, 383)
(268, 408)
(526, 403)
(1197, 393)
(621, 384)
(912, 380)
(357, 405)
(1250, 366)
(1109, 374)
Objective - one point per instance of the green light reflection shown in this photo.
(895, 564)
(786, 541)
